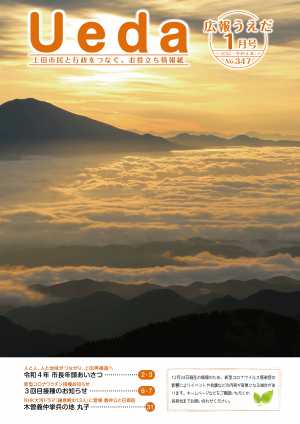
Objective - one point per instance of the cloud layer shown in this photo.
(240, 194)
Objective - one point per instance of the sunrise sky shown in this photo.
(205, 96)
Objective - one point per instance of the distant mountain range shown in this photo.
(144, 255)
(32, 127)
(268, 300)
(17, 341)
(245, 332)
(254, 134)
(170, 134)
(198, 292)
(103, 315)
(208, 141)
(81, 288)
(237, 288)
(293, 251)
(274, 136)
(122, 256)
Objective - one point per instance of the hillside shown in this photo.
(32, 127)
(204, 299)
(243, 332)
(268, 300)
(20, 342)
(87, 315)
(102, 315)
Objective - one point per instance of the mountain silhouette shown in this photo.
(88, 315)
(17, 341)
(235, 288)
(294, 251)
(252, 134)
(198, 292)
(193, 246)
(120, 255)
(115, 256)
(273, 136)
(268, 300)
(6, 308)
(102, 315)
(32, 127)
(81, 288)
(206, 141)
(280, 279)
(170, 134)
(204, 299)
(245, 332)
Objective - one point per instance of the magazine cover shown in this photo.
(149, 211)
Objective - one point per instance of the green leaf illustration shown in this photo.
(256, 398)
(267, 397)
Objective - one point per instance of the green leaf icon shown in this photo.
(256, 398)
(267, 397)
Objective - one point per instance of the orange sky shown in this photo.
(205, 96)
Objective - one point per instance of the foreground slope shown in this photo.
(235, 333)
(86, 316)
(17, 341)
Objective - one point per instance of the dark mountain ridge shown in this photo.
(32, 127)
(102, 314)
(235, 288)
(18, 341)
(80, 288)
(245, 332)
(207, 141)
(267, 300)
(120, 255)
(253, 134)
(293, 251)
